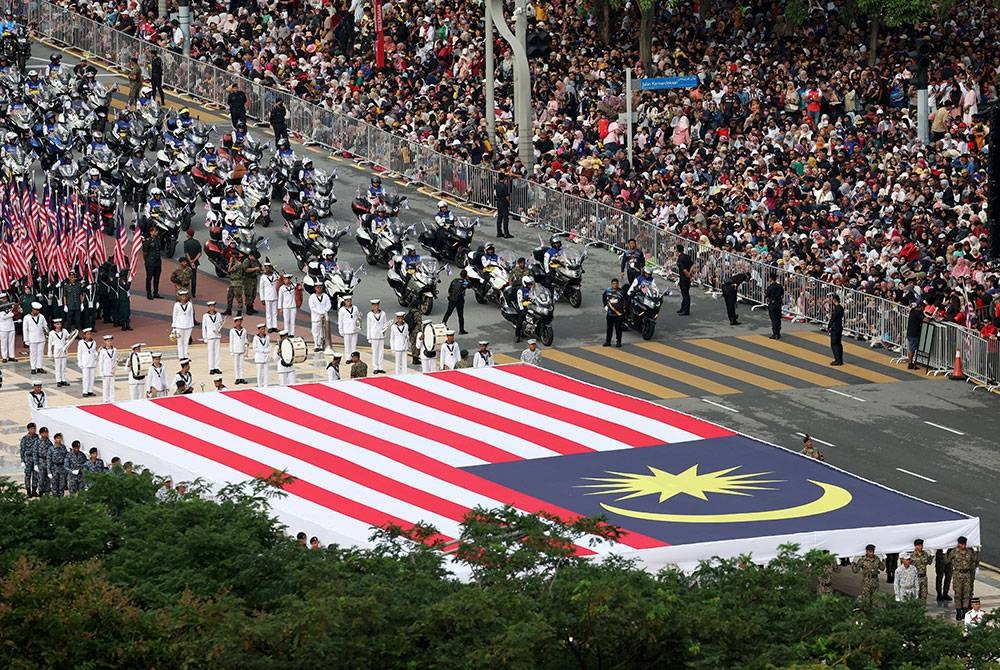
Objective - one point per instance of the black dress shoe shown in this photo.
(156, 295)
(89, 395)
(618, 344)
(735, 323)
(606, 344)
(463, 332)
(149, 296)
(684, 313)
(836, 362)
(40, 371)
(272, 330)
(773, 337)
(508, 236)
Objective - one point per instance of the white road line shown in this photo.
(950, 430)
(728, 409)
(816, 439)
(914, 474)
(847, 395)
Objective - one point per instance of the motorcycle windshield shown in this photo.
(572, 259)
(21, 117)
(428, 267)
(541, 296)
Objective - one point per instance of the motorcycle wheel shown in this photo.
(648, 328)
(170, 249)
(426, 305)
(185, 225)
(575, 298)
(266, 222)
(545, 334)
(461, 254)
(480, 297)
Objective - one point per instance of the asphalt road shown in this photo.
(930, 438)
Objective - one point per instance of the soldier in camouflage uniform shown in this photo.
(234, 294)
(963, 562)
(28, 460)
(56, 463)
(942, 577)
(251, 274)
(94, 464)
(921, 559)
(181, 277)
(869, 566)
(825, 577)
(415, 320)
(42, 445)
(75, 461)
(463, 362)
(359, 368)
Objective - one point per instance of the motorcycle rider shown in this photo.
(123, 124)
(284, 150)
(33, 87)
(329, 262)
(411, 259)
(8, 26)
(208, 160)
(521, 300)
(92, 186)
(241, 137)
(154, 207)
(633, 260)
(11, 144)
(146, 99)
(184, 118)
(305, 176)
(97, 144)
(172, 179)
(231, 199)
(489, 259)
(445, 220)
(380, 220)
(554, 256)
(54, 68)
(174, 138)
(311, 223)
(643, 282)
(375, 190)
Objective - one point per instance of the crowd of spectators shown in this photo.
(799, 147)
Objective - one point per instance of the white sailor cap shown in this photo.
(238, 317)
(282, 333)
(183, 291)
(217, 378)
(56, 320)
(375, 301)
(261, 325)
(36, 305)
(157, 354)
(88, 330)
(36, 383)
(449, 332)
(109, 337)
(532, 341)
(401, 314)
(137, 345)
(287, 274)
(209, 303)
(484, 343)
(267, 262)
(185, 361)
(348, 297)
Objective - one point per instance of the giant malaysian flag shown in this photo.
(427, 448)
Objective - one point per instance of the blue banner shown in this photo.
(662, 83)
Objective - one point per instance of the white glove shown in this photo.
(75, 472)
(50, 476)
(23, 464)
(36, 468)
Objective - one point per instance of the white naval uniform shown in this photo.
(156, 380)
(450, 355)
(34, 329)
(428, 363)
(261, 357)
(107, 361)
(399, 345)
(183, 323)
(211, 332)
(479, 360)
(58, 352)
(186, 377)
(347, 325)
(286, 303)
(332, 372)
(375, 333)
(86, 358)
(136, 385)
(38, 400)
(7, 330)
(286, 373)
(319, 306)
(267, 291)
(238, 339)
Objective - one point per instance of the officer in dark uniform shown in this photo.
(836, 328)
(456, 300)
(685, 270)
(729, 289)
(72, 294)
(152, 249)
(104, 279)
(633, 261)
(614, 306)
(501, 192)
(774, 294)
(124, 301)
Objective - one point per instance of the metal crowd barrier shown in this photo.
(866, 316)
(938, 342)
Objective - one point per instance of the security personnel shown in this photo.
(287, 303)
(37, 398)
(238, 340)
(328, 262)
(685, 273)
(451, 353)
(211, 333)
(156, 378)
(521, 299)
(729, 294)
(235, 291)
(73, 302)
(348, 322)
(774, 294)
(123, 302)
(554, 256)
(633, 261)
(267, 289)
(399, 342)
(34, 332)
(376, 327)
(75, 460)
(375, 190)
(963, 562)
(643, 281)
(411, 258)
(359, 369)
(182, 322)
(836, 328)
(614, 308)
(86, 358)
(251, 273)
(209, 159)
(456, 299)
(532, 355)
(27, 448)
(484, 357)
(286, 372)
(41, 459)
(261, 354)
(184, 118)
(107, 364)
(152, 249)
(921, 559)
(181, 276)
(136, 384)
(58, 349)
(869, 566)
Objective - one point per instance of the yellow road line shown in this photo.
(504, 358)
(716, 367)
(765, 362)
(819, 359)
(708, 385)
(858, 351)
(605, 372)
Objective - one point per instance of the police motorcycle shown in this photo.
(241, 147)
(57, 78)
(165, 215)
(65, 176)
(315, 190)
(256, 186)
(11, 80)
(230, 210)
(101, 198)
(51, 141)
(197, 133)
(80, 121)
(98, 96)
(642, 308)
(103, 159)
(178, 151)
(381, 240)
(565, 275)
(488, 274)
(451, 237)
(20, 118)
(284, 166)
(223, 242)
(149, 112)
(181, 194)
(137, 175)
(530, 308)
(415, 283)
(16, 165)
(17, 46)
(338, 281)
(211, 172)
(309, 239)
(364, 204)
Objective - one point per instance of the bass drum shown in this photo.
(292, 350)
(434, 335)
(139, 363)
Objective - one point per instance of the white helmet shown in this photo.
(146, 90)
(155, 192)
(442, 204)
(528, 281)
(209, 145)
(12, 137)
(409, 247)
(94, 172)
(328, 252)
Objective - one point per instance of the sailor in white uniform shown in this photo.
(107, 362)
(261, 345)
(399, 342)
(37, 398)
(451, 353)
(484, 357)
(376, 327)
(238, 339)
(286, 373)
(286, 303)
(59, 350)
(156, 378)
(267, 289)
(183, 322)
(348, 322)
(211, 331)
(35, 330)
(86, 357)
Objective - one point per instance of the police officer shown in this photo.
(729, 290)
(614, 307)
(75, 460)
(836, 328)
(553, 258)
(633, 261)
(685, 272)
(27, 446)
(521, 299)
(152, 249)
(774, 294)
(456, 300)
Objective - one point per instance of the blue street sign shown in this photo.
(661, 83)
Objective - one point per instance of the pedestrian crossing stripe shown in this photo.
(621, 378)
(697, 381)
(857, 351)
(821, 359)
(771, 364)
(723, 369)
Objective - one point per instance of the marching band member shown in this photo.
(377, 324)
(286, 303)
(267, 288)
(37, 399)
(399, 342)
(34, 330)
(484, 357)
(238, 339)
(108, 361)
(451, 353)
(261, 354)
(211, 333)
(348, 317)
(428, 356)
(286, 373)
(183, 381)
(136, 385)
(183, 322)
(86, 358)
(58, 350)
(319, 311)
(156, 378)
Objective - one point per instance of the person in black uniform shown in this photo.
(836, 327)
(502, 194)
(156, 73)
(237, 102)
(277, 119)
(775, 295)
(456, 300)
(633, 261)
(152, 249)
(729, 288)
(614, 306)
(914, 325)
(685, 269)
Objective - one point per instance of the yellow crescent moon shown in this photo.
(833, 498)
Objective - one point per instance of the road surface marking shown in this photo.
(604, 372)
(914, 474)
(847, 395)
(707, 385)
(815, 439)
(715, 366)
(728, 409)
(950, 430)
(855, 350)
(765, 362)
(819, 359)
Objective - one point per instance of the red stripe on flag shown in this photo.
(543, 438)
(609, 429)
(464, 443)
(412, 458)
(247, 466)
(702, 429)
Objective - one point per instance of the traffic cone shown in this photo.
(956, 371)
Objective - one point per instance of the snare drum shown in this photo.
(434, 335)
(292, 350)
(139, 363)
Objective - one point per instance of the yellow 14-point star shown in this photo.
(667, 485)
